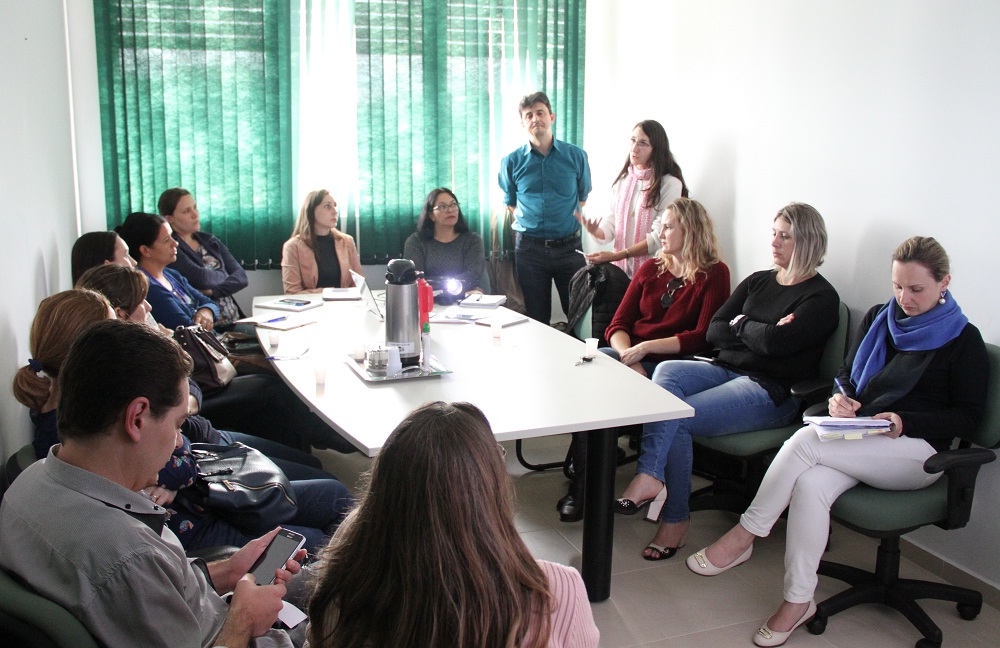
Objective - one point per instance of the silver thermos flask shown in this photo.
(402, 311)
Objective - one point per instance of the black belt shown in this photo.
(572, 239)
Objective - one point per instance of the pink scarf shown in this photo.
(642, 215)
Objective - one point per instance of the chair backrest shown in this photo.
(27, 619)
(836, 345)
(15, 465)
(987, 435)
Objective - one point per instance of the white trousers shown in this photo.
(808, 475)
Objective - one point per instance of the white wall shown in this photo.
(38, 217)
(880, 113)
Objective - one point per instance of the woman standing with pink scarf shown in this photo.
(649, 181)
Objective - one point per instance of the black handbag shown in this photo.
(212, 368)
(240, 485)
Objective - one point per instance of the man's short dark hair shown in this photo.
(527, 101)
(111, 364)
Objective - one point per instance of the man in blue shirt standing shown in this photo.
(545, 183)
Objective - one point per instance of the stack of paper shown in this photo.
(479, 300)
(829, 427)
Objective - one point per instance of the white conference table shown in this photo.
(528, 384)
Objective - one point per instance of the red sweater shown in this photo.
(643, 318)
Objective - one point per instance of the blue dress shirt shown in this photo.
(546, 189)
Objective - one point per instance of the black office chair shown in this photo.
(736, 463)
(887, 515)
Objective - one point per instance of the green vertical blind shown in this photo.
(196, 94)
(438, 82)
(202, 94)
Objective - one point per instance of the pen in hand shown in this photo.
(840, 387)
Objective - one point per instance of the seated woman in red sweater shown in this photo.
(665, 312)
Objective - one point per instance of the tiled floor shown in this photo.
(663, 604)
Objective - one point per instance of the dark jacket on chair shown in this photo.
(601, 286)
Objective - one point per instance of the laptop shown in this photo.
(366, 293)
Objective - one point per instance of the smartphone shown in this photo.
(294, 302)
(281, 549)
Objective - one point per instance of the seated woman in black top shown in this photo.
(318, 255)
(443, 247)
(916, 362)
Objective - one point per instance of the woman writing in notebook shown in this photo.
(318, 255)
(917, 362)
(443, 247)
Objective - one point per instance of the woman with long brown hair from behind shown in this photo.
(431, 557)
(61, 318)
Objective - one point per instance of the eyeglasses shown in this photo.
(447, 207)
(502, 450)
(673, 286)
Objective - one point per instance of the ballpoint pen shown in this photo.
(276, 319)
(840, 387)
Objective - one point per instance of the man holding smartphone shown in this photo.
(78, 529)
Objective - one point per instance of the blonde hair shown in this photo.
(701, 249)
(808, 237)
(926, 251)
(60, 319)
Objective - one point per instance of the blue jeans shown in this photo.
(725, 402)
(538, 266)
(322, 505)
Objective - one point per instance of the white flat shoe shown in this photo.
(768, 637)
(700, 564)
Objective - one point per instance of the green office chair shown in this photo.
(736, 463)
(31, 621)
(887, 515)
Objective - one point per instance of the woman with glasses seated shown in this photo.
(769, 334)
(916, 362)
(649, 181)
(318, 255)
(443, 247)
(431, 556)
(666, 310)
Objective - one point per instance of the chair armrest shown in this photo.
(812, 389)
(956, 459)
(961, 468)
(819, 409)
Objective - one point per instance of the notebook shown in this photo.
(505, 318)
(342, 294)
(297, 304)
(479, 300)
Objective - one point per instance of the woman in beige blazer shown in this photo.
(318, 255)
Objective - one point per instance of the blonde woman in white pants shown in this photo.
(918, 363)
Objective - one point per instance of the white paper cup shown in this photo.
(497, 329)
(273, 338)
(320, 370)
(591, 350)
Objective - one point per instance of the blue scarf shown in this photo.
(925, 332)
